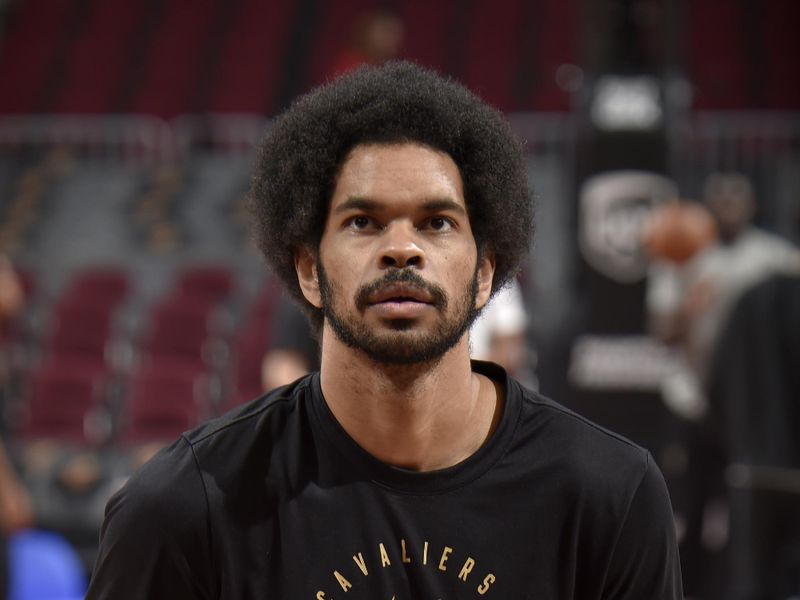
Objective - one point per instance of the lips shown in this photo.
(400, 293)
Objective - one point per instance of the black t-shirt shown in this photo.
(275, 501)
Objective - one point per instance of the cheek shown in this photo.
(341, 272)
(458, 275)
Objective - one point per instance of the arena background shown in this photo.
(127, 131)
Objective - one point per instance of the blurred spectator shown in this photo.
(376, 37)
(499, 334)
(753, 388)
(12, 296)
(694, 284)
(293, 350)
(12, 300)
(689, 301)
(15, 511)
(15, 504)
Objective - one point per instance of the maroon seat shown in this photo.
(214, 283)
(164, 400)
(64, 403)
(101, 285)
(252, 55)
(172, 62)
(97, 64)
(179, 329)
(28, 48)
(79, 332)
(251, 343)
(251, 346)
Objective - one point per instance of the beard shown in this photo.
(401, 345)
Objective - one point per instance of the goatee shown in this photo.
(400, 345)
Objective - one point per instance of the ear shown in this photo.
(305, 263)
(486, 264)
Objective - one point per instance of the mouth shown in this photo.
(400, 293)
(400, 301)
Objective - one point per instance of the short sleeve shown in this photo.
(154, 542)
(645, 561)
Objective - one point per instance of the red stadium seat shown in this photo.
(98, 286)
(79, 332)
(65, 404)
(179, 330)
(164, 400)
(211, 282)
(251, 344)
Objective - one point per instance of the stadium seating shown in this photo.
(164, 400)
(192, 57)
(65, 404)
(251, 343)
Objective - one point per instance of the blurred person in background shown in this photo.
(499, 334)
(706, 257)
(377, 36)
(293, 350)
(689, 300)
(15, 504)
(753, 390)
(12, 296)
(16, 511)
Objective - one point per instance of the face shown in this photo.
(398, 275)
(732, 210)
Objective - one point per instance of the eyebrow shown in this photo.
(365, 204)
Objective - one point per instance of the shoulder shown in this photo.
(266, 413)
(546, 430)
(253, 437)
(616, 488)
(166, 491)
(756, 241)
(578, 433)
(177, 474)
(586, 454)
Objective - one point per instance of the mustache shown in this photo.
(407, 276)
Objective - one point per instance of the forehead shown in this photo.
(398, 172)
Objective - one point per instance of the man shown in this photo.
(393, 204)
(690, 303)
(744, 256)
(690, 306)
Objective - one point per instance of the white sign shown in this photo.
(613, 209)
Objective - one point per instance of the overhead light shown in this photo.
(627, 103)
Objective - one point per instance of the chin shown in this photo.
(401, 324)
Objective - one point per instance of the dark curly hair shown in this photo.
(301, 154)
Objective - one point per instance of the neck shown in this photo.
(422, 417)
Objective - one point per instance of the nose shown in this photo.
(399, 248)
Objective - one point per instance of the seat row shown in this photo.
(106, 373)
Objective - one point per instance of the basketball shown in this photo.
(678, 230)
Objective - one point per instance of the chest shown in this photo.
(361, 541)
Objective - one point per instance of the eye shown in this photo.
(360, 222)
(440, 224)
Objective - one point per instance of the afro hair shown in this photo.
(302, 152)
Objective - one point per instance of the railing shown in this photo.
(153, 140)
(705, 141)
(742, 141)
(765, 146)
(127, 137)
